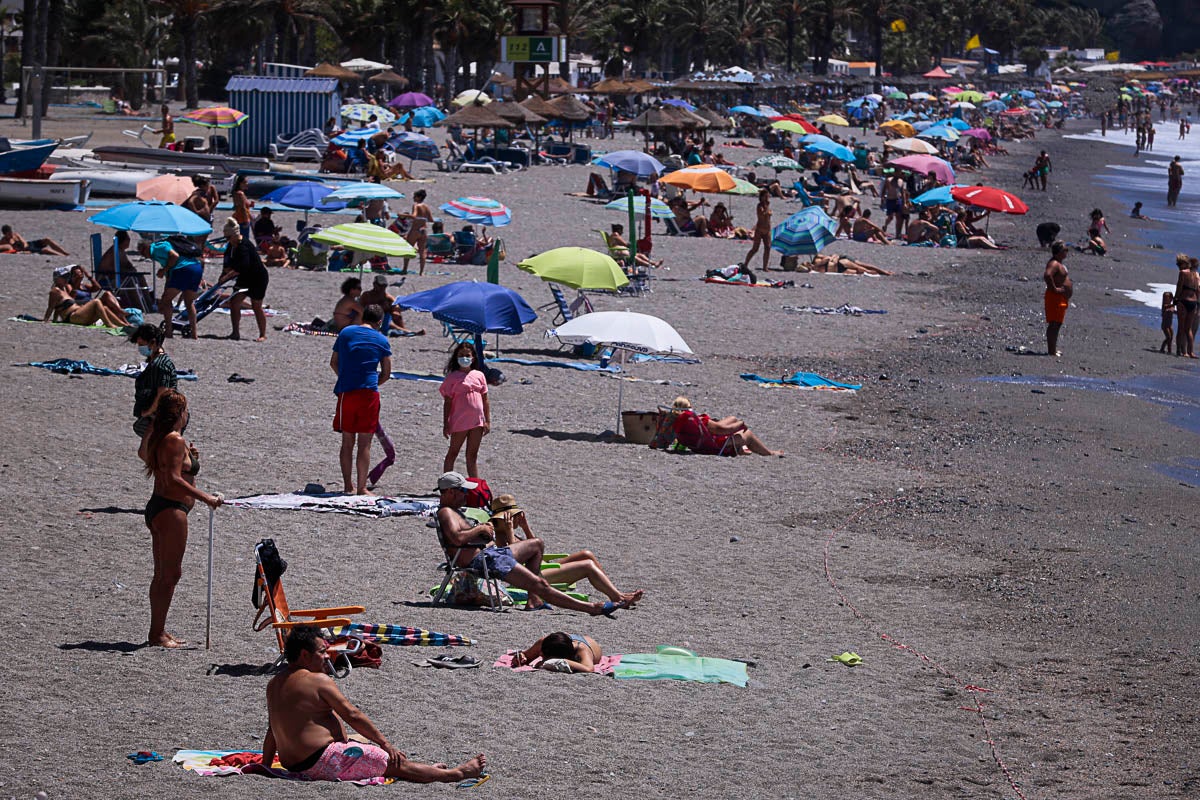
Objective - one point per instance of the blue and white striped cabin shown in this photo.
(277, 106)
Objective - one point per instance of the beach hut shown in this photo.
(278, 106)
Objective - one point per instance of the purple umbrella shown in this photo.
(411, 100)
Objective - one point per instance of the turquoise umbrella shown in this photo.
(807, 232)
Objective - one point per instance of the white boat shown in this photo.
(29, 192)
(106, 182)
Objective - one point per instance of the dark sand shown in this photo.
(1027, 545)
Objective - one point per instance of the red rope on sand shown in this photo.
(974, 690)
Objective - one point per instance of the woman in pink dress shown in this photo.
(466, 414)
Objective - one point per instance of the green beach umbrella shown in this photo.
(577, 267)
(363, 237)
(742, 187)
(776, 162)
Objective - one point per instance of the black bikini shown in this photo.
(309, 762)
(159, 504)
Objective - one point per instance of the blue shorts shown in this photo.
(499, 561)
(892, 206)
(186, 276)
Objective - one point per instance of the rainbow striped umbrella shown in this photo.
(215, 117)
(479, 211)
(401, 635)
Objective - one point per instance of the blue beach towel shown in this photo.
(803, 380)
(416, 376)
(582, 366)
(67, 366)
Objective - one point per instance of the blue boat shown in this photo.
(23, 158)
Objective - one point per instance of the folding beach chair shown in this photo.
(274, 612)
(558, 301)
(491, 584)
(127, 284)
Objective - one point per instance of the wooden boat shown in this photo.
(176, 161)
(24, 157)
(26, 192)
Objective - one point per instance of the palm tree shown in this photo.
(187, 16)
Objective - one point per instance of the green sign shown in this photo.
(529, 49)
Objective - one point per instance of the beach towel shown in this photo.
(304, 329)
(695, 669)
(401, 635)
(337, 503)
(582, 366)
(640, 358)
(844, 309)
(760, 285)
(605, 667)
(803, 380)
(97, 327)
(201, 763)
(417, 376)
(69, 366)
(249, 312)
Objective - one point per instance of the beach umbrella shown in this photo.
(749, 111)
(833, 119)
(990, 198)
(471, 96)
(791, 126)
(920, 96)
(936, 197)
(169, 188)
(1025, 94)
(978, 133)
(306, 196)
(363, 191)
(476, 307)
(970, 96)
(807, 232)
(576, 267)
(923, 165)
(899, 126)
(912, 146)
(1054, 104)
(215, 117)
(479, 211)
(414, 146)
(943, 132)
(327, 70)
(742, 187)
(152, 216)
(963, 104)
(874, 97)
(362, 112)
(641, 164)
(364, 65)
(411, 100)
(776, 162)
(423, 117)
(860, 102)
(367, 239)
(658, 208)
(700, 178)
(832, 148)
(955, 123)
(768, 111)
(672, 101)
(995, 105)
(352, 138)
(799, 120)
(389, 77)
(897, 95)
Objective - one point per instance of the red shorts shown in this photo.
(357, 411)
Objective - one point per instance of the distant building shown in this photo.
(859, 68)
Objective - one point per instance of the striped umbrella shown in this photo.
(365, 238)
(215, 117)
(401, 635)
(807, 232)
(352, 138)
(362, 112)
(364, 191)
(701, 178)
(479, 211)
(657, 207)
(776, 162)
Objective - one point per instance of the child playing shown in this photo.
(466, 413)
(1168, 321)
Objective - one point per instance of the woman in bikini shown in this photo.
(417, 236)
(62, 306)
(1187, 305)
(173, 463)
(761, 235)
(562, 652)
(241, 205)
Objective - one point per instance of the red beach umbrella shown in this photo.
(990, 198)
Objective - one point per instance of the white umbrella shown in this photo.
(471, 96)
(363, 65)
(624, 330)
(912, 146)
(963, 104)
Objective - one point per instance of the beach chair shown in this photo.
(491, 584)
(128, 285)
(465, 245)
(309, 258)
(274, 612)
(207, 302)
(558, 301)
(439, 246)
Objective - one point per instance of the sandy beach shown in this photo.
(956, 533)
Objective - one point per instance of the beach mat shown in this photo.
(401, 635)
(96, 327)
(582, 366)
(748, 285)
(201, 763)
(657, 667)
(70, 366)
(845, 309)
(337, 503)
(605, 667)
(803, 380)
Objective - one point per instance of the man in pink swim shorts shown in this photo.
(306, 709)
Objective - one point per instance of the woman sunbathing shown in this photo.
(620, 248)
(721, 437)
(562, 652)
(720, 224)
(63, 308)
(835, 263)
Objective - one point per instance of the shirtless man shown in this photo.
(16, 243)
(761, 235)
(923, 230)
(167, 130)
(348, 310)
(866, 231)
(378, 295)
(1174, 181)
(305, 710)
(1058, 295)
(893, 201)
(688, 225)
(417, 237)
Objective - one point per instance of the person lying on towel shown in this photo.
(306, 709)
(562, 652)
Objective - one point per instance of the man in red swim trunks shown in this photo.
(1058, 295)
(304, 706)
(362, 359)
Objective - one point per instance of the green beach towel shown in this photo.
(661, 666)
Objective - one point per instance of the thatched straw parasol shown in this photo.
(389, 77)
(611, 86)
(327, 70)
(686, 118)
(474, 116)
(715, 119)
(655, 119)
(539, 106)
(639, 86)
(515, 112)
(570, 109)
(559, 86)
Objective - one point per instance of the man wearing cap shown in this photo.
(362, 360)
(392, 318)
(243, 262)
(519, 564)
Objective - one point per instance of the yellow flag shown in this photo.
(899, 26)
(1114, 56)
(974, 42)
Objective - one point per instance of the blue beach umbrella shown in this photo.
(937, 197)
(684, 104)
(305, 196)
(635, 161)
(352, 138)
(955, 122)
(414, 146)
(1026, 94)
(747, 110)
(805, 233)
(832, 148)
(152, 216)
(423, 117)
(995, 105)
(860, 102)
(475, 307)
(943, 132)
(363, 191)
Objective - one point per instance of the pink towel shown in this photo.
(605, 667)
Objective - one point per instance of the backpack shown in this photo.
(273, 567)
(186, 247)
(480, 496)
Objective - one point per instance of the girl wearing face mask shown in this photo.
(156, 377)
(466, 413)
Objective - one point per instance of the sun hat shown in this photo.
(505, 503)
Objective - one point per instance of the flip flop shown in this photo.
(848, 658)
(454, 662)
(610, 608)
(471, 783)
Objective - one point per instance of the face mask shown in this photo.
(465, 361)
(146, 350)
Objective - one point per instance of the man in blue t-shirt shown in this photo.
(362, 359)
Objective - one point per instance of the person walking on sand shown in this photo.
(1187, 304)
(305, 710)
(1174, 181)
(1042, 168)
(362, 360)
(1057, 296)
(761, 235)
(466, 412)
(1168, 321)
(167, 131)
(243, 263)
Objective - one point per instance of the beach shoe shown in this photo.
(848, 658)
(453, 662)
(144, 757)
(471, 783)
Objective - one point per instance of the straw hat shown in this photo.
(505, 504)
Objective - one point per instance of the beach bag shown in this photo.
(365, 654)
(664, 429)
(480, 496)
(186, 247)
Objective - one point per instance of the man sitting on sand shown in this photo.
(305, 709)
(519, 564)
(866, 231)
(378, 295)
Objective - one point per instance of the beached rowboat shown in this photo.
(30, 192)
